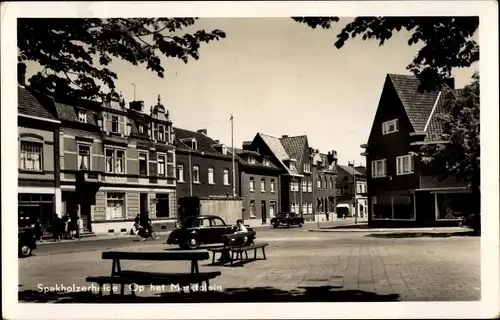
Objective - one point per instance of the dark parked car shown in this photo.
(197, 230)
(287, 219)
(26, 241)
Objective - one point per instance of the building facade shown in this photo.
(402, 190)
(116, 162)
(259, 186)
(352, 191)
(301, 167)
(39, 192)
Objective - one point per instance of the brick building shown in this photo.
(352, 200)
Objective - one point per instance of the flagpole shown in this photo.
(232, 153)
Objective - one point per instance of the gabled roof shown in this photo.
(418, 105)
(70, 113)
(29, 103)
(276, 147)
(434, 129)
(294, 147)
(350, 170)
(239, 153)
(204, 143)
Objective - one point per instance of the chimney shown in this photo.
(284, 136)
(450, 82)
(217, 141)
(203, 131)
(351, 164)
(21, 74)
(137, 105)
(246, 144)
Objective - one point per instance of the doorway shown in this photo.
(143, 204)
(263, 211)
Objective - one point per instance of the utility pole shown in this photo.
(355, 197)
(232, 153)
(134, 90)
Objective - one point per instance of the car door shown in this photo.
(219, 228)
(204, 229)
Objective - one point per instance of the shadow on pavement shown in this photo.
(423, 234)
(258, 294)
(361, 225)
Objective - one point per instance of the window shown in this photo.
(390, 126)
(307, 167)
(211, 176)
(143, 164)
(267, 162)
(83, 157)
(180, 173)
(224, 150)
(304, 207)
(310, 207)
(398, 207)
(318, 182)
(82, 116)
(252, 184)
(451, 206)
(196, 174)
(216, 222)
(161, 165)
(115, 205)
(295, 208)
(271, 186)
(263, 185)
(114, 124)
(252, 209)
(309, 186)
(379, 168)
(226, 177)
(331, 183)
(251, 159)
(404, 165)
(304, 186)
(170, 164)
(191, 143)
(294, 186)
(272, 208)
(110, 154)
(31, 156)
(141, 128)
(161, 132)
(120, 161)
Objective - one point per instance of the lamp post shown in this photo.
(355, 197)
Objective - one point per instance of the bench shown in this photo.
(232, 246)
(124, 277)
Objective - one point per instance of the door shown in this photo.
(263, 211)
(272, 209)
(85, 216)
(143, 204)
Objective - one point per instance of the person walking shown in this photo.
(38, 230)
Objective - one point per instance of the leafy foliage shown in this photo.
(460, 124)
(447, 41)
(74, 53)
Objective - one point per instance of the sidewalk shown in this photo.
(365, 228)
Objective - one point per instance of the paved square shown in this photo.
(301, 266)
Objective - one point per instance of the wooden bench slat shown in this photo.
(157, 256)
(251, 247)
(239, 235)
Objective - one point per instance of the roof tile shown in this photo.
(30, 104)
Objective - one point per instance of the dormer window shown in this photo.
(161, 132)
(307, 168)
(251, 159)
(267, 162)
(141, 128)
(224, 150)
(82, 116)
(390, 126)
(191, 143)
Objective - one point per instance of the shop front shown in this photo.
(33, 206)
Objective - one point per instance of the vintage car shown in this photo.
(287, 219)
(197, 230)
(26, 242)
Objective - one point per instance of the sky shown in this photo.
(277, 77)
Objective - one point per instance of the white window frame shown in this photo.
(225, 174)
(400, 165)
(309, 186)
(309, 207)
(387, 125)
(252, 206)
(304, 207)
(82, 116)
(161, 133)
(140, 127)
(374, 170)
(170, 164)
(139, 162)
(262, 185)
(23, 155)
(224, 150)
(271, 186)
(304, 186)
(392, 209)
(162, 165)
(307, 168)
(251, 159)
(109, 196)
(89, 156)
(180, 176)
(211, 177)
(251, 184)
(114, 160)
(196, 174)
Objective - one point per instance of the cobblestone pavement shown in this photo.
(301, 266)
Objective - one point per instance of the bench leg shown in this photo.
(246, 255)
(213, 258)
(241, 257)
(111, 291)
(232, 257)
(264, 252)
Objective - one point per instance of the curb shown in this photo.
(394, 230)
(97, 238)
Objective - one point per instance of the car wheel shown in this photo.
(193, 243)
(25, 251)
(288, 225)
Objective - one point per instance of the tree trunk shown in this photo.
(476, 190)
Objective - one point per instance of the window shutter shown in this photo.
(396, 125)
